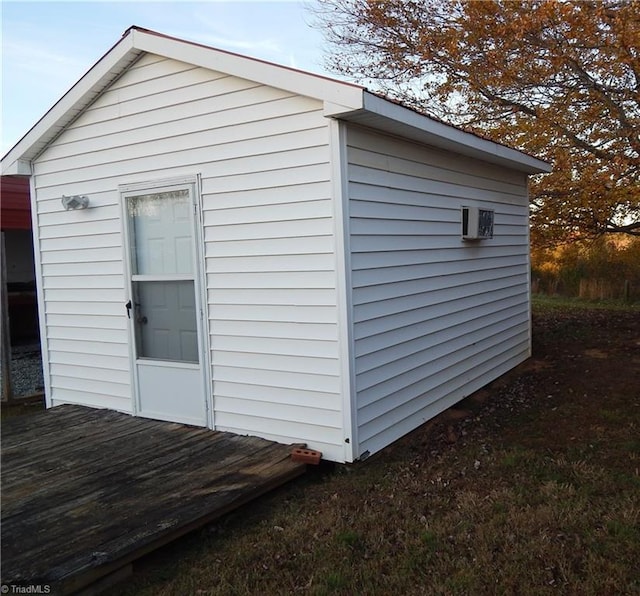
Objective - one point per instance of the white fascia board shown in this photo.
(19, 167)
(253, 69)
(452, 138)
(72, 103)
(334, 110)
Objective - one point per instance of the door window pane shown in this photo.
(161, 234)
(165, 320)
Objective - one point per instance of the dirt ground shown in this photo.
(530, 486)
(584, 361)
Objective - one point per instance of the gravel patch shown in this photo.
(26, 370)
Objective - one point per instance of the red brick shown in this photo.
(306, 456)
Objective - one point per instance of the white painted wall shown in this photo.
(264, 160)
(435, 318)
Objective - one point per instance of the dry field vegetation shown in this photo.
(530, 487)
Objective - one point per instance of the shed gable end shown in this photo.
(262, 155)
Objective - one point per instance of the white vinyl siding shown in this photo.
(270, 264)
(263, 157)
(435, 318)
(322, 319)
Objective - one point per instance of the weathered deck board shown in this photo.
(85, 491)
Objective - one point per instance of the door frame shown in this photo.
(193, 181)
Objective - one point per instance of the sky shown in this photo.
(48, 46)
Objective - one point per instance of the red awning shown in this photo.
(15, 204)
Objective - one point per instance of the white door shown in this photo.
(164, 307)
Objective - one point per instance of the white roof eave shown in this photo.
(389, 117)
(341, 100)
(134, 42)
(252, 69)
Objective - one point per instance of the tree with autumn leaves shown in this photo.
(559, 80)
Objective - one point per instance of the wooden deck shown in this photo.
(85, 492)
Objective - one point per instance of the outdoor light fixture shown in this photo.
(75, 202)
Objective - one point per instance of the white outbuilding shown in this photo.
(225, 242)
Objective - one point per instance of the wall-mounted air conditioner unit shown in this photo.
(477, 223)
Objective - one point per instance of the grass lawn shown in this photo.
(531, 487)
